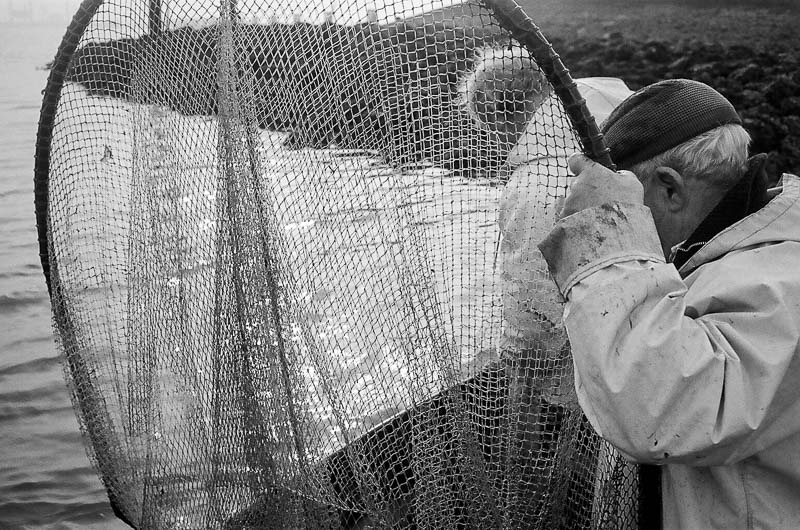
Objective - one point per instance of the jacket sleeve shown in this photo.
(668, 381)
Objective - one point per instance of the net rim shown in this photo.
(44, 135)
(93, 427)
(509, 14)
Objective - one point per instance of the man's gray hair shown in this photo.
(718, 156)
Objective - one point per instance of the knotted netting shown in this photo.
(291, 251)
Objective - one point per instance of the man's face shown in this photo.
(678, 204)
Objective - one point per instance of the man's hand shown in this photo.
(595, 184)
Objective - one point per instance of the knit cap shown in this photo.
(661, 116)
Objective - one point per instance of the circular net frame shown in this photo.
(280, 276)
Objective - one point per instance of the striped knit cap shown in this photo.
(662, 115)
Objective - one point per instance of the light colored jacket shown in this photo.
(696, 369)
(532, 306)
(534, 341)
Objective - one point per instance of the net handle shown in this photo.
(513, 19)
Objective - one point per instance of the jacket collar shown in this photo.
(744, 198)
(777, 221)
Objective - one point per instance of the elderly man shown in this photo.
(689, 363)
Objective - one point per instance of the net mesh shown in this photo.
(288, 277)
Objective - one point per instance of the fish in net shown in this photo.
(291, 257)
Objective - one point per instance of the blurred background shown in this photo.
(746, 49)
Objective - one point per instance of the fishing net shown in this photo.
(291, 256)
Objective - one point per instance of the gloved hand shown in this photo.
(595, 184)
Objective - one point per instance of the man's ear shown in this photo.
(671, 188)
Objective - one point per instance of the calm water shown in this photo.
(46, 479)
